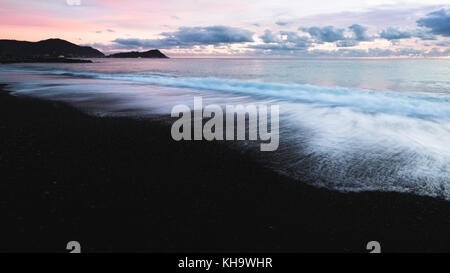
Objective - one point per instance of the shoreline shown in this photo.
(123, 185)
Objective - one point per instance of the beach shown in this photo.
(122, 184)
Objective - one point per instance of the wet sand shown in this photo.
(123, 185)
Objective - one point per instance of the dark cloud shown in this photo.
(424, 35)
(282, 41)
(392, 33)
(438, 22)
(293, 37)
(269, 37)
(135, 43)
(186, 37)
(210, 35)
(325, 34)
(296, 43)
(360, 33)
(333, 34)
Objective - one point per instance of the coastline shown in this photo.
(121, 184)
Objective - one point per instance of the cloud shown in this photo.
(346, 43)
(278, 48)
(424, 35)
(282, 41)
(136, 43)
(392, 33)
(443, 43)
(438, 22)
(269, 37)
(212, 35)
(332, 34)
(360, 33)
(372, 52)
(435, 52)
(381, 16)
(193, 40)
(186, 37)
(293, 37)
(281, 23)
(106, 30)
(325, 34)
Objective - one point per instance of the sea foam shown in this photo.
(348, 139)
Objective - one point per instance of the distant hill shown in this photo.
(51, 48)
(154, 53)
(11, 60)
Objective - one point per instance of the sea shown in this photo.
(345, 124)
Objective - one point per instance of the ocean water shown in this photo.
(348, 125)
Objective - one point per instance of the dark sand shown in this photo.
(118, 184)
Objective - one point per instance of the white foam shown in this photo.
(342, 138)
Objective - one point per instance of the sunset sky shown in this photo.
(310, 28)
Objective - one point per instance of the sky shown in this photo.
(307, 28)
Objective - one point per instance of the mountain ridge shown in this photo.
(50, 48)
(153, 53)
(58, 50)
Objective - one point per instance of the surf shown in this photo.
(413, 104)
(348, 139)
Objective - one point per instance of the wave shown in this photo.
(418, 105)
(347, 139)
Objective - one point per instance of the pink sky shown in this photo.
(101, 22)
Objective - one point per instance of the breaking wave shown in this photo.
(419, 105)
(347, 139)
